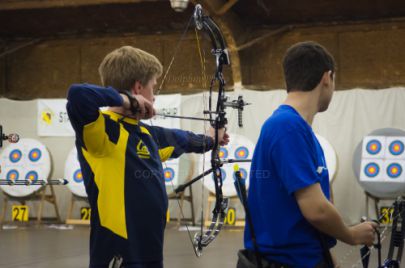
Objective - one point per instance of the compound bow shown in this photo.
(397, 238)
(396, 244)
(218, 120)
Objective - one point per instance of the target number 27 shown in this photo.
(85, 213)
(19, 213)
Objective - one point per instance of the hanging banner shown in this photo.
(170, 105)
(52, 118)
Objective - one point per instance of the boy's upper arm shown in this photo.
(86, 118)
(95, 139)
(311, 200)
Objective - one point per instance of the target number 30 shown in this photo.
(230, 218)
(20, 213)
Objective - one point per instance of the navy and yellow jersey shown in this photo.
(121, 162)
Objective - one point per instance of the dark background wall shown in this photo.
(42, 54)
(48, 68)
(368, 55)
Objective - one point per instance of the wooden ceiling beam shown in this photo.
(41, 4)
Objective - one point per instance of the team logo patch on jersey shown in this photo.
(320, 169)
(142, 151)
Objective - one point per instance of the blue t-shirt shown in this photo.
(287, 157)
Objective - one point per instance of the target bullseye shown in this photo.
(242, 153)
(223, 153)
(73, 174)
(394, 170)
(168, 173)
(243, 174)
(15, 156)
(12, 175)
(373, 147)
(372, 170)
(31, 176)
(396, 147)
(34, 155)
(223, 175)
(78, 176)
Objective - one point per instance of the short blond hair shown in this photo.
(124, 66)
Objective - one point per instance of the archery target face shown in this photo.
(73, 174)
(170, 171)
(394, 171)
(372, 170)
(395, 148)
(239, 147)
(374, 147)
(381, 174)
(330, 156)
(26, 160)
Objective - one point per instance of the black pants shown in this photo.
(247, 259)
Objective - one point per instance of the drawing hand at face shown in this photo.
(138, 107)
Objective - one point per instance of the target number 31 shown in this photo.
(387, 212)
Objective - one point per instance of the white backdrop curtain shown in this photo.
(351, 115)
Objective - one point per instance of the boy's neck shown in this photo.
(305, 103)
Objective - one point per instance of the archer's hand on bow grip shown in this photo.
(223, 137)
(363, 233)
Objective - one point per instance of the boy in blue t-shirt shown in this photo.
(294, 221)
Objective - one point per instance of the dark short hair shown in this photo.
(304, 65)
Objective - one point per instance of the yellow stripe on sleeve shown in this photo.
(166, 153)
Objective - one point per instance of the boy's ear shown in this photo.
(327, 77)
(136, 88)
(331, 75)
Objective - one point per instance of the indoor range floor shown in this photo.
(67, 246)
